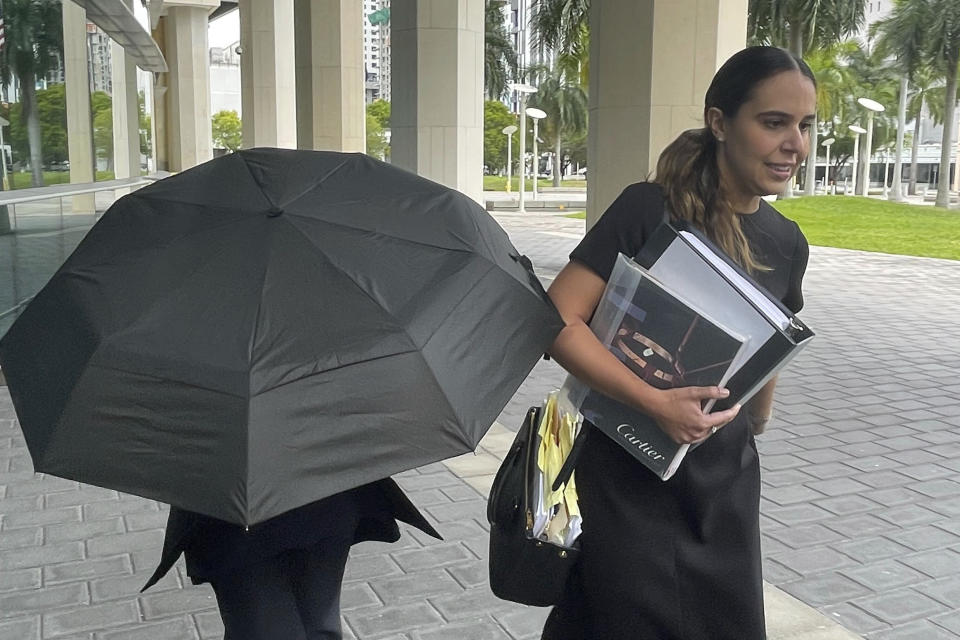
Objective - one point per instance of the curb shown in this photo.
(787, 617)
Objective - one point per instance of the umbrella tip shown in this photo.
(274, 212)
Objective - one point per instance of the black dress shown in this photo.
(674, 560)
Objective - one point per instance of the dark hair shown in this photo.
(687, 169)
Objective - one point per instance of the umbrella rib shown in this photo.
(374, 232)
(396, 322)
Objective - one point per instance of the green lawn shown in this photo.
(869, 224)
(876, 225)
(499, 183)
(20, 180)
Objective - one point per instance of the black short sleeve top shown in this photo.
(777, 242)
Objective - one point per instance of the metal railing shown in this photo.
(39, 227)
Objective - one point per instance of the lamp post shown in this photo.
(523, 90)
(857, 130)
(509, 130)
(536, 115)
(872, 107)
(886, 168)
(826, 173)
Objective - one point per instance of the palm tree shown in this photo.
(34, 40)
(499, 58)
(563, 98)
(562, 26)
(800, 25)
(927, 92)
(833, 81)
(928, 32)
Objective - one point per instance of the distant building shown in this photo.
(376, 49)
(225, 79)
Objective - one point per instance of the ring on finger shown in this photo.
(713, 430)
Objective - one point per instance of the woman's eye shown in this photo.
(805, 126)
(773, 124)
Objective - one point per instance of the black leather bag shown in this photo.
(525, 569)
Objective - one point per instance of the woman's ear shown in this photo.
(716, 123)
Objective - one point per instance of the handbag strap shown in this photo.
(566, 470)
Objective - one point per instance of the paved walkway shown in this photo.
(860, 513)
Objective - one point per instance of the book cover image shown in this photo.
(668, 343)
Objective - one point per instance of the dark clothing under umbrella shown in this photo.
(271, 328)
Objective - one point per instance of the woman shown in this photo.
(281, 579)
(680, 560)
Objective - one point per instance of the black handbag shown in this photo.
(523, 568)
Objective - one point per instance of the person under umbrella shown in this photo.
(262, 341)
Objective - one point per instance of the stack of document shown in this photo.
(682, 314)
(556, 517)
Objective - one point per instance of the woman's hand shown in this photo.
(679, 414)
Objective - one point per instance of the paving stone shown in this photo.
(848, 504)
(471, 574)
(884, 576)
(854, 619)
(25, 628)
(791, 494)
(949, 622)
(909, 515)
(78, 497)
(458, 511)
(209, 624)
(173, 603)
(41, 517)
(20, 579)
(946, 591)
(805, 535)
(524, 622)
(921, 630)
(89, 618)
(356, 595)
(181, 628)
(776, 573)
(417, 586)
(825, 589)
(366, 567)
(124, 543)
(936, 563)
(797, 514)
(128, 586)
(43, 599)
(145, 521)
(813, 560)
(430, 557)
(926, 537)
(39, 556)
(871, 550)
(481, 629)
(18, 538)
(82, 530)
(837, 486)
(466, 604)
(899, 607)
(393, 619)
(860, 525)
(86, 569)
(113, 508)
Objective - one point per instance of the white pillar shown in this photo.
(437, 107)
(267, 74)
(79, 126)
(187, 127)
(126, 114)
(330, 75)
(643, 95)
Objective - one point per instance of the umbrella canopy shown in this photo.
(273, 327)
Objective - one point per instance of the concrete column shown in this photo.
(267, 74)
(126, 115)
(79, 125)
(437, 107)
(330, 75)
(187, 123)
(644, 95)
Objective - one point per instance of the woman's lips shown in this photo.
(781, 171)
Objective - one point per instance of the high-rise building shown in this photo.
(99, 58)
(376, 49)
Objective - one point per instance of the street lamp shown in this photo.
(872, 107)
(857, 130)
(536, 115)
(826, 174)
(509, 130)
(523, 90)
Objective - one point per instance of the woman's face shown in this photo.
(761, 147)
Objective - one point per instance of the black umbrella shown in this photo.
(273, 327)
